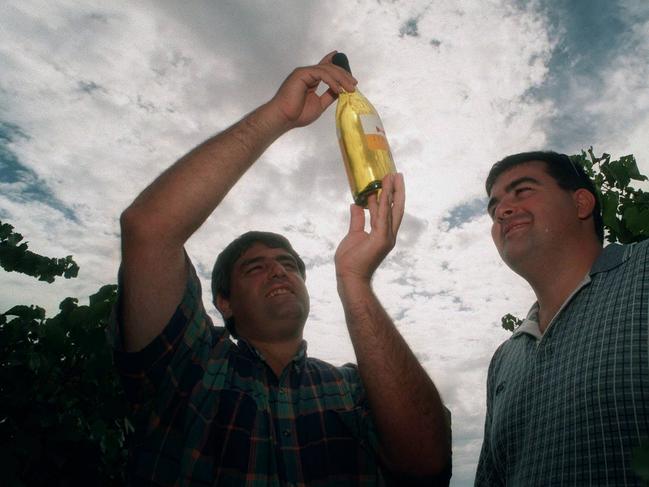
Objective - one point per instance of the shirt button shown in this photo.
(286, 433)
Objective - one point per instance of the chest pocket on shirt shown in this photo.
(225, 437)
(332, 443)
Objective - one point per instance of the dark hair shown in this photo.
(222, 270)
(568, 175)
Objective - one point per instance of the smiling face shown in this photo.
(268, 298)
(532, 216)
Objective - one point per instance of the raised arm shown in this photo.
(406, 407)
(157, 224)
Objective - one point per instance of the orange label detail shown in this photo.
(377, 142)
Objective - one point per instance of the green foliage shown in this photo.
(510, 322)
(14, 257)
(63, 415)
(625, 209)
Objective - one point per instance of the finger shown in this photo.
(385, 203)
(327, 63)
(336, 78)
(327, 98)
(399, 202)
(357, 219)
(328, 57)
(305, 82)
(373, 207)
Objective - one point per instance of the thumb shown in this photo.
(327, 98)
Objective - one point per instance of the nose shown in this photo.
(276, 269)
(503, 210)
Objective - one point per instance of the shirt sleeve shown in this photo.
(177, 357)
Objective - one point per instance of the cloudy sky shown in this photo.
(98, 98)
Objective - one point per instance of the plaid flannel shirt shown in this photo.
(211, 412)
(569, 406)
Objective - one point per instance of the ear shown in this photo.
(585, 202)
(223, 305)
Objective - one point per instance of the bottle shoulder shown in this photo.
(354, 101)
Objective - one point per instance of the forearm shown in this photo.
(183, 197)
(161, 219)
(405, 404)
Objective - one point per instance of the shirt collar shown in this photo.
(249, 350)
(611, 256)
(530, 324)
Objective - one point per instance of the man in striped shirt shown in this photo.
(260, 412)
(568, 393)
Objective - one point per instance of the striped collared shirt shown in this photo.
(569, 406)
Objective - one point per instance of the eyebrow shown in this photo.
(253, 260)
(261, 258)
(510, 187)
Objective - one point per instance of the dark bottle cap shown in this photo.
(341, 60)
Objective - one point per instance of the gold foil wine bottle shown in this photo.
(362, 140)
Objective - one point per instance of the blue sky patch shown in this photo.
(410, 28)
(589, 37)
(466, 212)
(29, 187)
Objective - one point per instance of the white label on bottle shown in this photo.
(372, 124)
(374, 132)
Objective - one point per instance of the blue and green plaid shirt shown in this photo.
(569, 406)
(211, 412)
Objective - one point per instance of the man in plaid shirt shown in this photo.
(260, 412)
(568, 393)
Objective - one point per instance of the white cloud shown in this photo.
(111, 95)
(624, 100)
